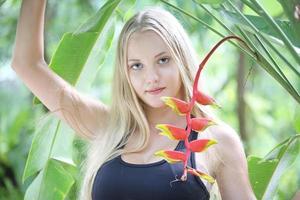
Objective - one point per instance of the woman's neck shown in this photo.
(163, 115)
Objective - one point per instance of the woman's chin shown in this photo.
(155, 105)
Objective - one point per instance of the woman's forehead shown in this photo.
(145, 44)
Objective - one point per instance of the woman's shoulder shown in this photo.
(229, 144)
(228, 150)
(225, 135)
(229, 160)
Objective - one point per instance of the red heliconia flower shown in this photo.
(201, 144)
(204, 99)
(185, 108)
(172, 132)
(200, 124)
(179, 106)
(200, 174)
(171, 156)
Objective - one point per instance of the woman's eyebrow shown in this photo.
(161, 53)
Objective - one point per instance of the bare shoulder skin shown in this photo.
(229, 165)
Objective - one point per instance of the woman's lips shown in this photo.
(155, 91)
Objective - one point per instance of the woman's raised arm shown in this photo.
(84, 114)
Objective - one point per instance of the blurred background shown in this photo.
(253, 102)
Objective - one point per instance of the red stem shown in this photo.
(202, 64)
(188, 115)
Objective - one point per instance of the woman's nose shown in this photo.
(152, 75)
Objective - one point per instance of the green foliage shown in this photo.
(75, 50)
(261, 25)
(50, 141)
(258, 32)
(258, 43)
(210, 1)
(266, 172)
(53, 182)
(53, 141)
(54, 156)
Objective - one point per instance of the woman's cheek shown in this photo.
(133, 82)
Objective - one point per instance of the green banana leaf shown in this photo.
(73, 54)
(210, 1)
(53, 182)
(76, 59)
(262, 26)
(263, 59)
(51, 140)
(265, 172)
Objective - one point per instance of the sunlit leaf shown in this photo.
(210, 1)
(77, 58)
(53, 182)
(265, 172)
(262, 26)
(52, 139)
(82, 48)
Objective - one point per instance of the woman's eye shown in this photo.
(163, 60)
(136, 66)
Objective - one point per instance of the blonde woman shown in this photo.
(154, 58)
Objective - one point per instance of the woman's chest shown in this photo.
(147, 154)
(146, 181)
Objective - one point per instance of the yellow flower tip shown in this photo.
(211, 123)
(168, 101)
(165, 98)
(216, 105)
(161, 127)
(209, 179)
(212, 142)
(159, 153)
(201, 175)
(164, 131)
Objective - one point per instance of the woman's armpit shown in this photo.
(84, 114)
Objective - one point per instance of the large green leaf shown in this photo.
(262, 26)
(53, 182)
(210, 1)
(272, 7)
(261, 11)
(74, 50)
(259, 57)
(40, 148)
(265, 172)
(77, 58)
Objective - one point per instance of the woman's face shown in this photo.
(152, 71)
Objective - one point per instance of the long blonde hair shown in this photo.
(126, 111)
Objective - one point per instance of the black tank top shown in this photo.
(119, 180)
